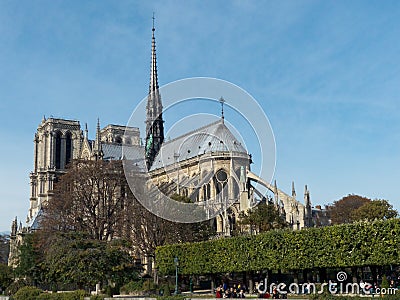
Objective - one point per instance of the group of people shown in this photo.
(223, 291)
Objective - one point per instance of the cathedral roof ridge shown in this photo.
(64, 120)
(214, 138)
(120, 126)
(197, 130)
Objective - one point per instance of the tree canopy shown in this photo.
(6, 276)
(77, 258)
(375, 209)
(357, 208)
(93, 197)
(89, 198)
(29, 258)
(341, 211)
(264, 217)
(148, 231)
(74, 258)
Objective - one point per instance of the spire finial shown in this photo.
(97, 143)
(222, 101)
(293, 190)
(86, 131)
(98, 130)
(153, 67)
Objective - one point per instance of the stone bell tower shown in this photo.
(56, 143)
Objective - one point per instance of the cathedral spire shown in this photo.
(98, 151)
(154, 121)
(98, 134)
(293, 190)
(153, 88)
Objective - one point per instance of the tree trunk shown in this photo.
(250, 284)
(374, 274)
(354, 274)
(212, 283)
(305, 275)
(296, 276)
(322, 275)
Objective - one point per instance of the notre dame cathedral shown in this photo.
(222, 163)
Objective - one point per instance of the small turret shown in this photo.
(307, 209)
(276, 198)
(293, 190)
(85, 135)
(14, 227)
(307, 201)
(97, 150)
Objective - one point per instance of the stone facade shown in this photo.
(207, 163)
(56, 143)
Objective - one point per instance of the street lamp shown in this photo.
(176, 262)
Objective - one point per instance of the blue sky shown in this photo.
(326, 73)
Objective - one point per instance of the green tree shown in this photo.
(264, 217)
(375, 209)
(341, 211)
(75, 258)
(6, 277)
(29, 259)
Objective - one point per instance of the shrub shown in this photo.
(149, 285)
(27, 293)
(109, 291)
(76, 295)
(96, 297)
(166, 291)
(385, 282)
(46, 296)
(131, 287)
(16, 286)
(174, 297)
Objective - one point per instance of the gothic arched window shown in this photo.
(58, 150)
(68, 148)
(221, 180)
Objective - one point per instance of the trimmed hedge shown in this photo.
(358, 244)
